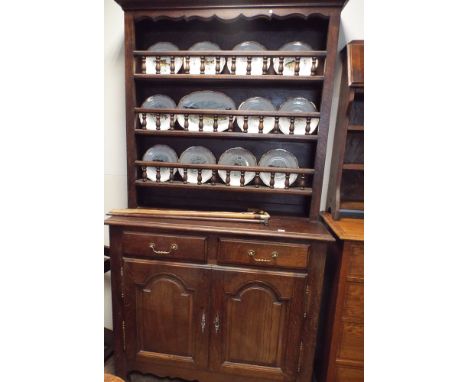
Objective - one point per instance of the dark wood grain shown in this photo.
(187, 303)
(343, 349)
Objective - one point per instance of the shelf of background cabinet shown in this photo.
(353, 166)
(298, 187)
(352, 205)
(356, 128)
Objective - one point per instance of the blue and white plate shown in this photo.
(205, 99)
(159, 153)
(157, 101)
(256, 67)
(165, 62)
(278, 158)
(289, 63)
(210, 62)
(257, 104)
(300, 105)
(197, 155)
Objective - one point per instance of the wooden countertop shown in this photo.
(345, 228)
(278, 227)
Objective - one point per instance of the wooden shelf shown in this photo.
(307, 191)
(231, 53)
(218, 167)
(235, 113)
(227, 134)
(353, 166)
(227, 77)
(356, 128)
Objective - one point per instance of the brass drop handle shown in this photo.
(252, 254)
(173, 247)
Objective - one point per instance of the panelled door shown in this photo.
(166, 307)
(256, 320)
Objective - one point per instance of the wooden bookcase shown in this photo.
(230, 301)
(346, 187)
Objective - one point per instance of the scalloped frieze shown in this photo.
(231, 14)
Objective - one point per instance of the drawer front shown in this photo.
(353, 307)
(356, 259)
(165, 247)
(352, 342)
(263, 253)
(349, 374)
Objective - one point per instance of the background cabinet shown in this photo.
(343, 353)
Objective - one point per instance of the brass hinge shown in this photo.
(123, 335)
(307, 299)
(121, 282)
(301, 352)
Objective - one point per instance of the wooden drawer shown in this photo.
(356, 259)
(352, 342)
(263, 253)
(163, 246)
(349, 374)
(353, 307)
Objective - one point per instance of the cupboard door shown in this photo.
(166, 307)
(256, 323)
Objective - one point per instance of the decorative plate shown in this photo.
(157, 101)
(205, 99)
(160, 153)
(259, 104)
(197, 155)
(241, 62)
(165, 62)
(210, 62)
(305, 63)
(278, 158)
(300, 105)
(237, 156)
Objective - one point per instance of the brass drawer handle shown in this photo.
(203, 322)
(173, 247)
(252, 254)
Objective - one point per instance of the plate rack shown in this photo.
(314, 26)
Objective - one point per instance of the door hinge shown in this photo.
(301, 352)
(123, 336)
(121, 283)
(307, 299)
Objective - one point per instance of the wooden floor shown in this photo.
(109, 368)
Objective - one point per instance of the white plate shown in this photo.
(298, 105)
(258, 104)
(157, 101)
(278, 158)
(237, 156)
(165, 62)
(210, 62)
(205, 99)
(256, 68)
(197, 155)
(160, 153)
(305, 63)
